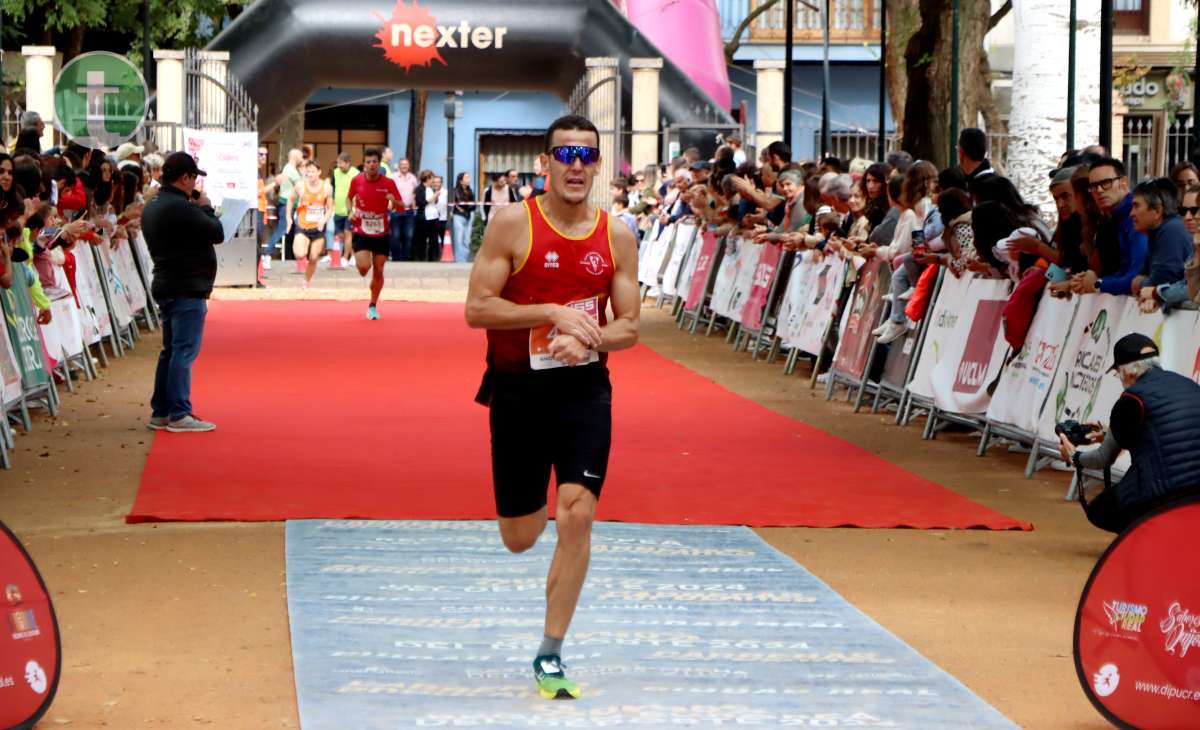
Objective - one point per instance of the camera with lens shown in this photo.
(1077, 433)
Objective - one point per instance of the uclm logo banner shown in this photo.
(412, 36)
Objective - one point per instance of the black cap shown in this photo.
(180, 163)
(1129, 349)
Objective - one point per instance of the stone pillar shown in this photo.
(39, 87)
(604, 109)
(170, 93)
(769, 112)
(645, 111)
(213, 98)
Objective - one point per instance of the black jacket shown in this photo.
(181, 236)
(1158, 420)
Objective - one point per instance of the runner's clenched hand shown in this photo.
(579, 325)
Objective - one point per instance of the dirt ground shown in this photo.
(185, 625)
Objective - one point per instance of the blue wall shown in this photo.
(481, 111)
(853, 101)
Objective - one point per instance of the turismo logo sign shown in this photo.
(1125, 616)
(413, 37)
(100, 100)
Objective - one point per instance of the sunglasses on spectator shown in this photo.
(1192, 211)
(1104, 184)
(567, 154)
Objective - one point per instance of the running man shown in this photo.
(313, 199)
(544, 277)
(372, 196)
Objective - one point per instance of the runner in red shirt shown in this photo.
(371, 196)
(541, 285)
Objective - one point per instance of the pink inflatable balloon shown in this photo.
(689, 33)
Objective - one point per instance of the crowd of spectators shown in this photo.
(54, 201)
(1108, 236)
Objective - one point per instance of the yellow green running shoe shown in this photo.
(551, 682)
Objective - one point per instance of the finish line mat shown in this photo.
(434, 624)
(322, 414)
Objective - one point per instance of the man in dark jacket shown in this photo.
(1157, 419)
(180, 228)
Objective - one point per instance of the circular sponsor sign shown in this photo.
(100, 100)
(1137, 631)
(30, 650)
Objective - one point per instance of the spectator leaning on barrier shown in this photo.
(181, 229)
(1156, 419)
(1155, 212)
(1121, 248)
(1186, 291)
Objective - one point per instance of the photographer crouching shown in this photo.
(181, 229)
(1157, 419)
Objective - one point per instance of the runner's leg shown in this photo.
(377, 277)
(315, 249)
(362, 259)
(521, 533)
(575, 511)
(299, 246)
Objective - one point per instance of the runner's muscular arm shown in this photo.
(290, 210)
(626, 295)
(486, 309)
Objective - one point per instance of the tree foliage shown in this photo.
(74, 26)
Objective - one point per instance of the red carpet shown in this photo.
(324, 414)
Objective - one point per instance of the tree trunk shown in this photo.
(73, 42)
(1038, 121)
(1087, 74)
(903, 20)
(291, 134)
(416, 127)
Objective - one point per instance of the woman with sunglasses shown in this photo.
(544, 278)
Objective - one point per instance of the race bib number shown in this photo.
(372, 225)
(541, 337)
(313, 215)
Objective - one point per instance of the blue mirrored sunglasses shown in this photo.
(567, 154)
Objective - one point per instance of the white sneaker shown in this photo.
(889, 297)
(881, 328)
(823, 379)
(266, 262)
(892, 333)
(324, 260)
(908, 294)
(190, 424)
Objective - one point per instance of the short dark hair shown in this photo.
(313, 162)
(895, 187)
(569, 123)
(373, 152)
(953, 203)
(1117, 166)
(973, 143)
(780, 149)
(623, 199)
(952, 178)
(833, 162)
(1159, 193)
(343, 157)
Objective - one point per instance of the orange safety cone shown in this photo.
(335, 257)
(447, 247)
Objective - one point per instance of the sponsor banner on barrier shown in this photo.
(975, 351)
(854, 348)
(1137, 630)
(822, 304)
(10, 372)
(726, 276)
(749, 254)
(94, 312)
(1181, 343)
(699, 279)
(1027, 379)
(126, 269)
(116, 288)
(679, 252)
(684, 283)
(944, 316)
(21, 322)
(793, 309)
(760, 285)
(651, 264)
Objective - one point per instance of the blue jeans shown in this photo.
(402, 226)
(280, 229)
(182, 328)
(460, 234)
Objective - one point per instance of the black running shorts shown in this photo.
(560, 419)
(377, 245)
(311, 234)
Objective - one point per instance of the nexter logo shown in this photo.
(413, 37)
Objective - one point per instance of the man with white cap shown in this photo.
(129, 155)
